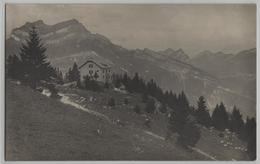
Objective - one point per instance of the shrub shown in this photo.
(221, 135)
(91, 84)
(111, 102)
(189, 135)
(126, 101)
(106, 85)
(150, 106)
(163, 108)
(137, 109)
(144, 98)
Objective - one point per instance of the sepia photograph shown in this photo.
(130, 82)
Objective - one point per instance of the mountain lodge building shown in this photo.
(96, 70)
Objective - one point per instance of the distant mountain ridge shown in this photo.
(178, 54)
(70, 41)
(220, 63)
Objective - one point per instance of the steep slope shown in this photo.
(40, 128)
(70, 41)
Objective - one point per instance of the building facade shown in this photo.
(96, 70)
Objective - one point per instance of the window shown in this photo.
(90, 66)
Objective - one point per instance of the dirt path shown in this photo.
(193, 148)
(66, 100)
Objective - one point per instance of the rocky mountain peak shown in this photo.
(179, 54)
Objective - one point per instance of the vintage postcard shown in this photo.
(164, 82)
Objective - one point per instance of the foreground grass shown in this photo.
(41, 128)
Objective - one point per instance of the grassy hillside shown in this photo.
(228, 147)
(41, 128)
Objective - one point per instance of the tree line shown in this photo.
(183, 117)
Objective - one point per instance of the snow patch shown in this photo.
(63, 30)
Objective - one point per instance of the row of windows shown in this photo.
(107, 70)
(91, 72)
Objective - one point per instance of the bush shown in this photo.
(91, 84)
(221, 135)
(137, 109)
(106, 85)
(163, 108)
(189, 135)
(150, 106)
(111, 102)
(144, 98)
(126, 101)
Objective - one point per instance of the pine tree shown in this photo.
(220, 117)
(236, 122)
(251, 137)
(69, 75)
(135, 83)
(181, 123)
(202, 112)
(179, 115)
(75, 72)
(58, 75)
(34, 64)
(13, 67)
(116, 80)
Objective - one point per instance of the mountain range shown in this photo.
(217, 76)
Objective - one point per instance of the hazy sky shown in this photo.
(194, 28)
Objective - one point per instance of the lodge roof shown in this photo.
(98, 63)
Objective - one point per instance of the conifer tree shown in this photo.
(181, 123)
(75, 72)
(251, 137)
(236, 122)
(13, 67)
(34, 64)
(220, 117)
(202, 112)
